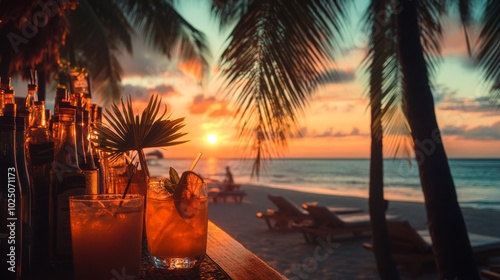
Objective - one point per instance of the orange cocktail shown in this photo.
(176, 230)
(106, 235)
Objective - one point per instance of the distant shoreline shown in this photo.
(313, 158)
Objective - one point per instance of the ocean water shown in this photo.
(477, 180)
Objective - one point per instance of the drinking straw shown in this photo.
(195, 161)
(129, 182)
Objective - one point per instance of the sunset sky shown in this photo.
(336, 122)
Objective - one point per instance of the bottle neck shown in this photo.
(38, 117)
(66, 149)
(30, 97)
(87, 147)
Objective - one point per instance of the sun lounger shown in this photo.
(328, 224)
(288, 213)
(490, 274)
(414, 248)
(218, 193)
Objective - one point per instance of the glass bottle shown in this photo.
(61, 97)
(26, 191)
(30, 100)
(8, 97)
(67, 179)
(85, 156)
(11, 239)
(40, 156)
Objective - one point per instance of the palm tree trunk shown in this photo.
(381, 246)
(376, 204)
(447, 227)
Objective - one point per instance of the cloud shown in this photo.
(223, 111)
(145, 61)
(453, 130)
(442, 92)
(476, 133)
(330, 133)
(143, 94)
(481, 104)
(209, 105)
(201, 104)
(164, 90)
(446, 99)
(336, 76)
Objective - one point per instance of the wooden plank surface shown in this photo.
(236, 260)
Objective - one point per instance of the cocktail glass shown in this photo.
(106, 233)
(177, 238)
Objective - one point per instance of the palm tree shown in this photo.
(95, 32)
(272, 63)
(100, 30)
(31, 33)
(451, 245)
(376, 59)
(262, 99)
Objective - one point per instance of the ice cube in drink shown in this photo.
(176, 242)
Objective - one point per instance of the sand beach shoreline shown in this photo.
(345, 258)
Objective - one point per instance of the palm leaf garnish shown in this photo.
(122, 131)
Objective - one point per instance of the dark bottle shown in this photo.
(40, 156)
(85, 155)
(10, 200)
(95, 121)
(61, 97)
(26, 191)
(67, 179)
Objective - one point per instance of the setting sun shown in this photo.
(212, 138)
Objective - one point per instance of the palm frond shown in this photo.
(167, 31)
(488, 53)
(430, 13)
(385, 80)
(123, 131)
(40, 48)
(94, 42)
(226, 12)
(272, 64)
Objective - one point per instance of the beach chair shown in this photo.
(218, 193)
(491, 274)
(413, 248)
(288, 213)
(327, 224)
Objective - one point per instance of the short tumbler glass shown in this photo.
(175, 242)
(106, 233)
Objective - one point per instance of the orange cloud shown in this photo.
(201, 104)
(210, 106)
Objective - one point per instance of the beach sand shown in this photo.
(288, 252)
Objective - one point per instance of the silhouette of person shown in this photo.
(228, 184)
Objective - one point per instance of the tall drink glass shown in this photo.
(177, 238)
(106, 233)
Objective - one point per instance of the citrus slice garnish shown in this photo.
(187, 193)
